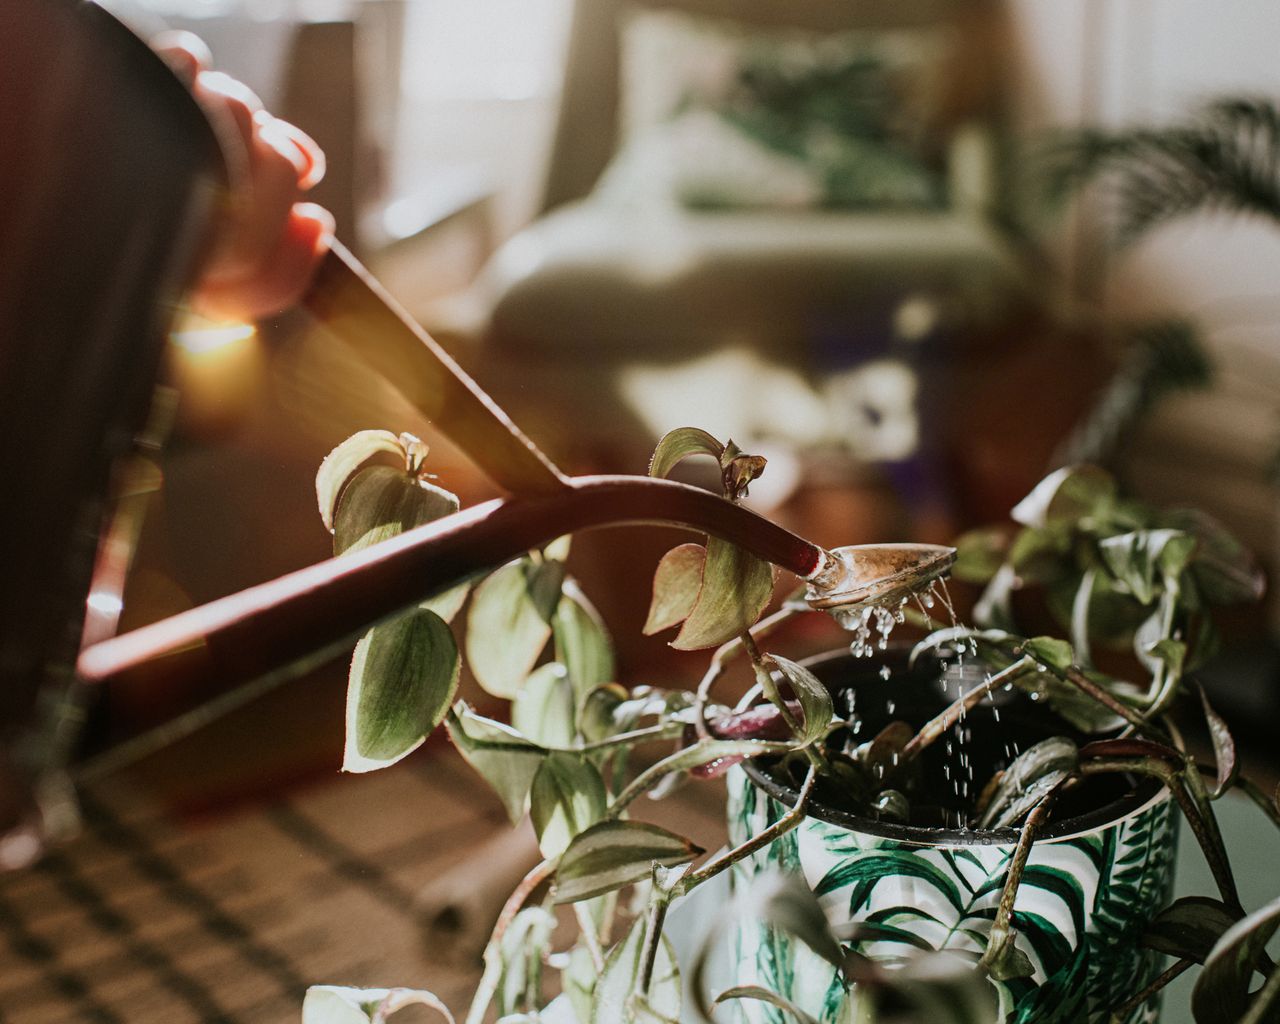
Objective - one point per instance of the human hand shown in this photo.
(269, 242)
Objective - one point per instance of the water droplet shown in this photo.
(885, 672)
(928, 600)
(889, 706)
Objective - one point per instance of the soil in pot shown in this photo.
(1103, 867)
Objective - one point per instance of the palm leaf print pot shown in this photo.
(1090, 887)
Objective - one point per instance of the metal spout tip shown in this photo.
(877, 574)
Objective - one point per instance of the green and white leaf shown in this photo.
(509, 623)
(736, 587)
(764, 995)
(679, 444)
(381, 502)
(1066, 495)
(980, 553)
(814, 698)
(341, 463)
(403, 676)
(334, 1004)
(782, 900)
(612, 854)
(1222, 991)
(545, 708)
(1050, 651)
(566, 798)
(1190, 927)
(611, 1001)
(1224, 747)
(506, 760)
(582, 642)
(1026, 781)
(522, 950)
(1146, 560)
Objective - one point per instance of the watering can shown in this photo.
(125, 171)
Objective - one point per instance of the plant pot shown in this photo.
(1103, 867)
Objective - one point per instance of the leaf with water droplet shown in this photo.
(892, 805)
(1051, 651)
(878, 754)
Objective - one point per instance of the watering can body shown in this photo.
(108, 180)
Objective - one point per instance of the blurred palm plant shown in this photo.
(1224, 157)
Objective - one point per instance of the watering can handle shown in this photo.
(351, 304)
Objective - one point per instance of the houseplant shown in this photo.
(1132, 575)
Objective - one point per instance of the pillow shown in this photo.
(715, 114)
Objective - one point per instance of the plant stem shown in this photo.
(952, 714)
(663, 731)
(1088, 687)
(652, 939)
(759, 841)
(725, 653)
(654, 774)
(587, 926)
(492, 962)
(1121, 1013)
(1000, 927)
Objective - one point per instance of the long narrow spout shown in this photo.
(299, 620)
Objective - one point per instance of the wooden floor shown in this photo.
(145, 920)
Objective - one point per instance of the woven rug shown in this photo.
(143, 920)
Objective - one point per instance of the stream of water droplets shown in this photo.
(872, 628)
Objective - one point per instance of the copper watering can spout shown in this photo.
(317, 611)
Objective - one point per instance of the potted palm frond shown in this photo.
(978, 828)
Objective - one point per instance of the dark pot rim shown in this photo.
(1108, 814)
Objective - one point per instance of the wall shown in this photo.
(1115, 62)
